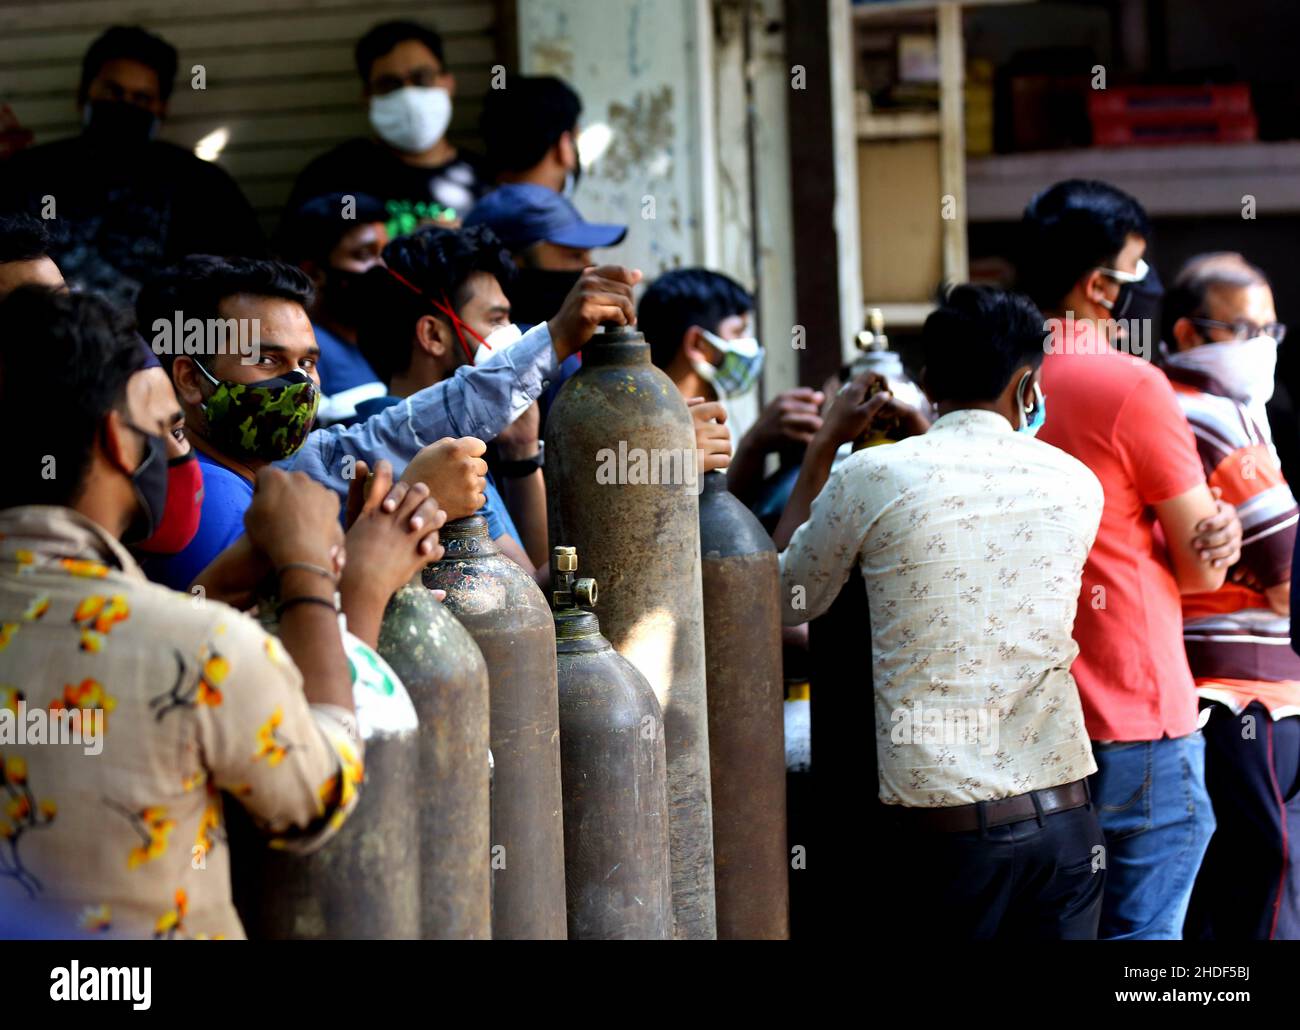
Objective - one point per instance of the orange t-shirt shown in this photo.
(1118, 415)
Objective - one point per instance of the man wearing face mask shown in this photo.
(699, 325)
(126, 203)
(1222, 336)
(409, 164)
(25, 261)
(971, 539)
(435, 306)
(177, 693)
(530, 133)
(551, 244)
(248, 408)
(336, 239)
(1163, 535)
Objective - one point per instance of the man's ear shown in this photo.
(694, 346)
(921, 382)
(187, 380)
(431, 336)
(1094, 288)
(567, 150)
(117, 448)
(1186, 335)
(448, 82)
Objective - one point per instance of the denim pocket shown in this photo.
(1122, 789)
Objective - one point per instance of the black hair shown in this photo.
(196, 285)
(22, 238)
(1186, 296)
(314, 229)
(520, 123)
(89, 349)
(1070, 228)
(682, 298)
(385, 36)
(132, 43)
(975, 340)
(438, 262)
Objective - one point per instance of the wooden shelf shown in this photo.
(1170, 181)
(886, 125)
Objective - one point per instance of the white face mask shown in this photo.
(501, 338)
(411, 119)
(1245, 368)
(742, 364)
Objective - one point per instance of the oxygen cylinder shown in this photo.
(447, 680)
(615, 776)
(507, 615)
(874, 355)
(742, 622)
(364, 883)
(622, 487)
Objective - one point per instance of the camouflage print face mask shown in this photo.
(269, 419)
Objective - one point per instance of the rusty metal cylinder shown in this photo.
(615, 776)
(447, 681)
(742, 623)
(507, 615)
(363, 884)
(622, 487)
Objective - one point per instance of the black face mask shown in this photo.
(538, 293)
(150, 482)
(1141, 300)
(111, 123)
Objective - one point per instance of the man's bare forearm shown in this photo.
(813, 473)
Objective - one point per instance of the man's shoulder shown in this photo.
(221, 481)
(186, 620)
(1069, 472)
(350, 159)
(40, 159)
(175, 160)
(1224, 418)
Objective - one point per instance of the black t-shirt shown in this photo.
(442, 194)
(122, 214)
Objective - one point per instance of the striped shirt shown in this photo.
(1239, 648)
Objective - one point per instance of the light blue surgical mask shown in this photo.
(1037, 412)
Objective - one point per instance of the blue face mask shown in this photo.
(1037, 413)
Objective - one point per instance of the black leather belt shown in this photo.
(964, 818)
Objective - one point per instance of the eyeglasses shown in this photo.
(1244, 330)
(1126, 277)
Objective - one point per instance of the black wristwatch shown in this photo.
(525, 466)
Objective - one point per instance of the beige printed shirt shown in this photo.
(122, 835)
(971, 540)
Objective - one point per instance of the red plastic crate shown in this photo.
(1168, 104)
(1233, 128)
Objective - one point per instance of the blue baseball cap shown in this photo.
(523, 213)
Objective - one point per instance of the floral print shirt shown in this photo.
(971, 540)
(125, 710)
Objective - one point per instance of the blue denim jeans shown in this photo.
(1156, 816)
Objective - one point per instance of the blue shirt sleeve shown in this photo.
(497, 514)
(479, 401)
(226, 496)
